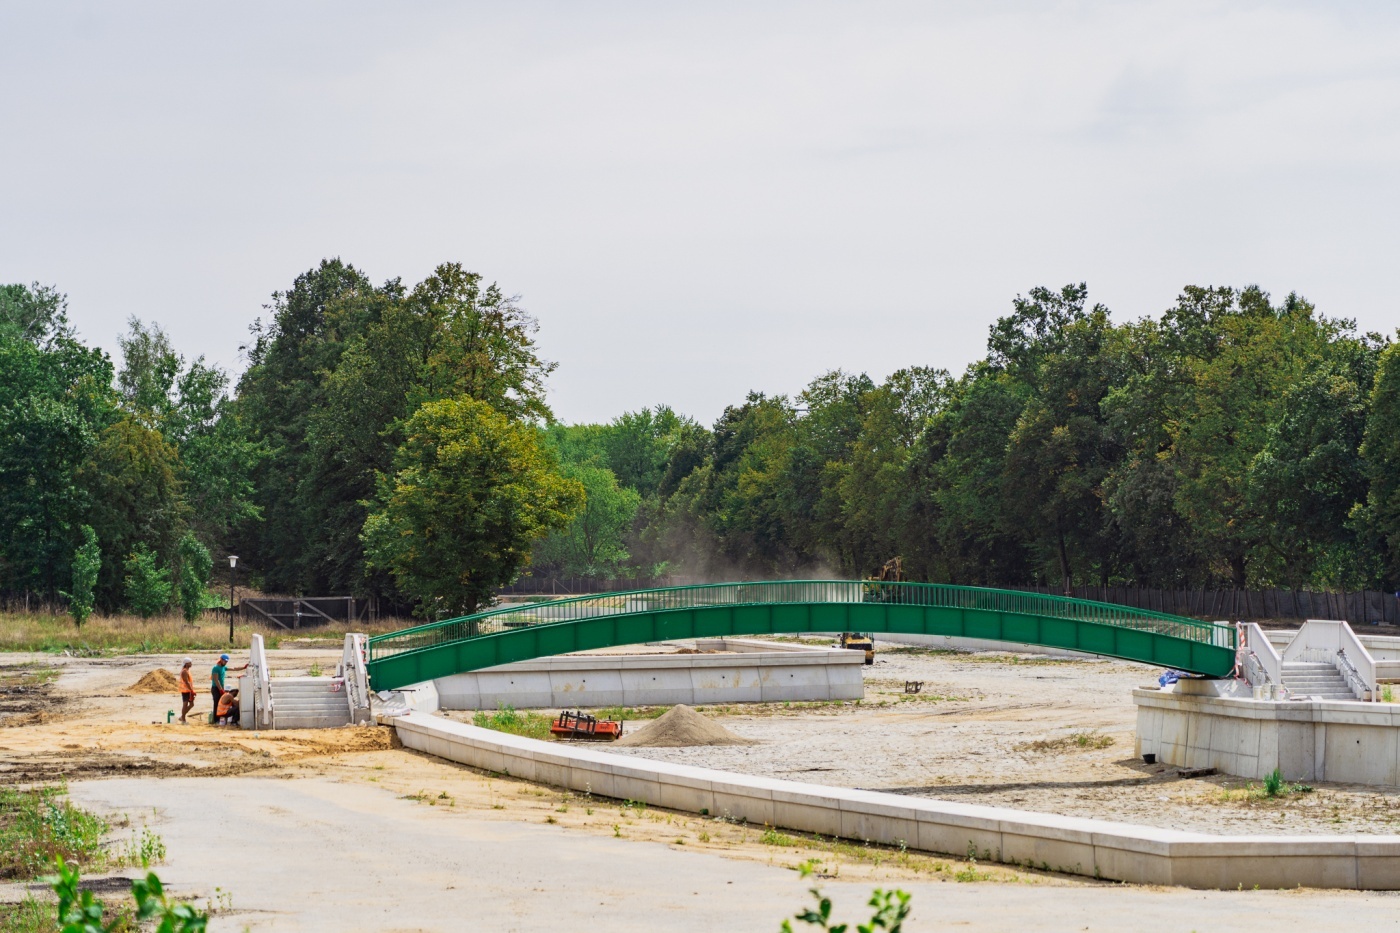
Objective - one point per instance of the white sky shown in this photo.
(697, 200)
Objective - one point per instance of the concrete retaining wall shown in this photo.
(1384, 648)
(1311, 740)
(760, 672)
(1118, 851)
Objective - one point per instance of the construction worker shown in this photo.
(216, 678)
(186, 688)
(227, 712)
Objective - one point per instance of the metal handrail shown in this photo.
(936, 595)
(1355, 681)
(1249, 655)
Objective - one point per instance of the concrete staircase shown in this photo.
(308, 703)
(1313, 679)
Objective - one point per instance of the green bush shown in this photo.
(148, 585)
(195, 564)
(87, 561)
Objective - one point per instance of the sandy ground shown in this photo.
(340, 829)
(979, 732)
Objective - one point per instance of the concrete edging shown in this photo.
(1097, 848)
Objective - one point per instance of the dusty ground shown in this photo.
(339, 829)
(1004, 730)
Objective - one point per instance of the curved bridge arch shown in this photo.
(500, 636)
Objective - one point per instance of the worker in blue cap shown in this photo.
(216, 678)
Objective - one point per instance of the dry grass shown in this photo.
(1065, 743)
(122, 634)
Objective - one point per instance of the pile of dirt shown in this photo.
(682, 727)
(157, 681)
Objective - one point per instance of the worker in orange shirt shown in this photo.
(186, 689)
(228, 708)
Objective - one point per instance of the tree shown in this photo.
(193, 585)
(150, 367)
(594, 543)
(87, 560)
(37, 314)
(148, 584)
(133, 480)
(1059, 356)
(1381, 457)
(468, 493)
(55, 399)
(289, 359)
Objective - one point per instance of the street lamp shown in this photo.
(232, 573)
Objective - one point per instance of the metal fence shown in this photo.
(305, 612)
(795, 591)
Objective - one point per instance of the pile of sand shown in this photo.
(157, 681)
(680, 727)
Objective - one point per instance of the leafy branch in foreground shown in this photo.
(80, 912)
(891, 910)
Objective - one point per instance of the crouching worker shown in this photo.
(228, 708)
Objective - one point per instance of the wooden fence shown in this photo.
(1362, 607)
(1359, 607)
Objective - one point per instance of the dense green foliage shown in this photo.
(1232, 441)
(394, 441)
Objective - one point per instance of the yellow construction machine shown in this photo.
(891, 572)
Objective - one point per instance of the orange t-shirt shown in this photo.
(226, 704)
(186, 682)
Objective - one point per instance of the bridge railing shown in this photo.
(937, 595)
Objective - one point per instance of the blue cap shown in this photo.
(223, 657)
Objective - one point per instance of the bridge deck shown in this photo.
(500, 636)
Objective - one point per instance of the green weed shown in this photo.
(508, 719)
(145, 850)
(771, 837)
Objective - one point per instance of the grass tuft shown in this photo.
(39, 824)
(1068, 742)
(509, 719)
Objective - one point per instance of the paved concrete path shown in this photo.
(312, 854)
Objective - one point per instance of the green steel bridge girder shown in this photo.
(629, 628)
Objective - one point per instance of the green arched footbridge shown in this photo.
(499, 636)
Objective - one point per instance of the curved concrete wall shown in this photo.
(1119, 851)
(752, 672)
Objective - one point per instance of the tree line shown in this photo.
(1231, 441)
(396, 441)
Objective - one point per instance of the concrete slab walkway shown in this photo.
(316, 854)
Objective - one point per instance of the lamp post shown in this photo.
(232, 573)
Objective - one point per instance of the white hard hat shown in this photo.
(184, 661)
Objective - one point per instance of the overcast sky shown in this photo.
(697, 200)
